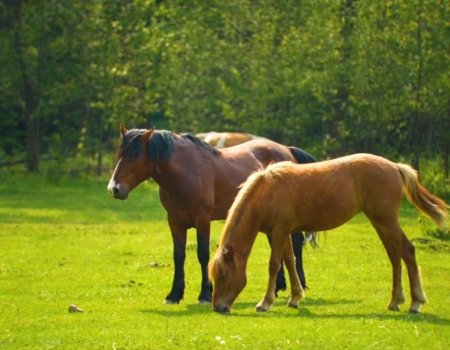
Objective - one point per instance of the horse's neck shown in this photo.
(242, 233)
(174, 174)
(166, 175)
(243, 247)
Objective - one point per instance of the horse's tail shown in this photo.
(302, 156)
(425, 201)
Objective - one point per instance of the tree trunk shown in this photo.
(417, 124)
(100, 148)
(28, 94)
(342, 97)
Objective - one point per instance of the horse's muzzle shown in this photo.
(222, 309)
(117, 191)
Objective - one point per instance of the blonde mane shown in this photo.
(254, 185)
(239, 203)
(259, 178)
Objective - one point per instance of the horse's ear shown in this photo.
(122, 130)
(148, 133)
(227, 253)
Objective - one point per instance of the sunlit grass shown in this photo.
(67, 242)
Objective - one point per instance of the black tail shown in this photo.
(302, 156)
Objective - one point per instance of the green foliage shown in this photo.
(334, 77)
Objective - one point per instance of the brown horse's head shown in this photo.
(133, 164)
(227, 273)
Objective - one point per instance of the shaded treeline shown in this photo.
(333, 77)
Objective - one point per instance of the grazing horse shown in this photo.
(226, 139)
(286, 197)
(197, 184)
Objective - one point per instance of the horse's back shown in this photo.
(361, 172)
(226, 139)
(235, 164)
(263, 150)
(329, 193)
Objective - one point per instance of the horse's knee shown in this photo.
(274, 266)
(203, 256)
(203, 249)
(412, 250)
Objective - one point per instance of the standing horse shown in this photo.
(315, 197)
(226, 139)
(197, 184)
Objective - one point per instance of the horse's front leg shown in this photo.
(179, 234)
(277, 248)
(297, 293)
(280, 283)
(203, 236)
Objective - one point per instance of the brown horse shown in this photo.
(226, 139)
(197, 184)
(316, 197)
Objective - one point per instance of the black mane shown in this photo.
(197, 141)
(130, 146)
(160, 144)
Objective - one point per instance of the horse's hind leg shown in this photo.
(298, 241)
(415, 282)
(390, 234)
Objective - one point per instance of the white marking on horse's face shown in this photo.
(117, 190)
(112, 185)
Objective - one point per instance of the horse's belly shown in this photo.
(321, 216)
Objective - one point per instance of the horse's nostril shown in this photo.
(115, 190)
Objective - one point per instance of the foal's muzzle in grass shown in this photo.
(221, 309)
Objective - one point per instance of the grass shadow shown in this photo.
(192, 309)
(304, 311)
(388, 315)
(179, 310)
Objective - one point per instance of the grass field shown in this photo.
(66, 241)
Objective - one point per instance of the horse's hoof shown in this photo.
(171, 302)
(415, 307)
(261, 309)
(293, 305)
(394, 308)
(205, 297)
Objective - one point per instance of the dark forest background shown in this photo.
(332, 77)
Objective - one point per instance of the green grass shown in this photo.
(65, 241)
